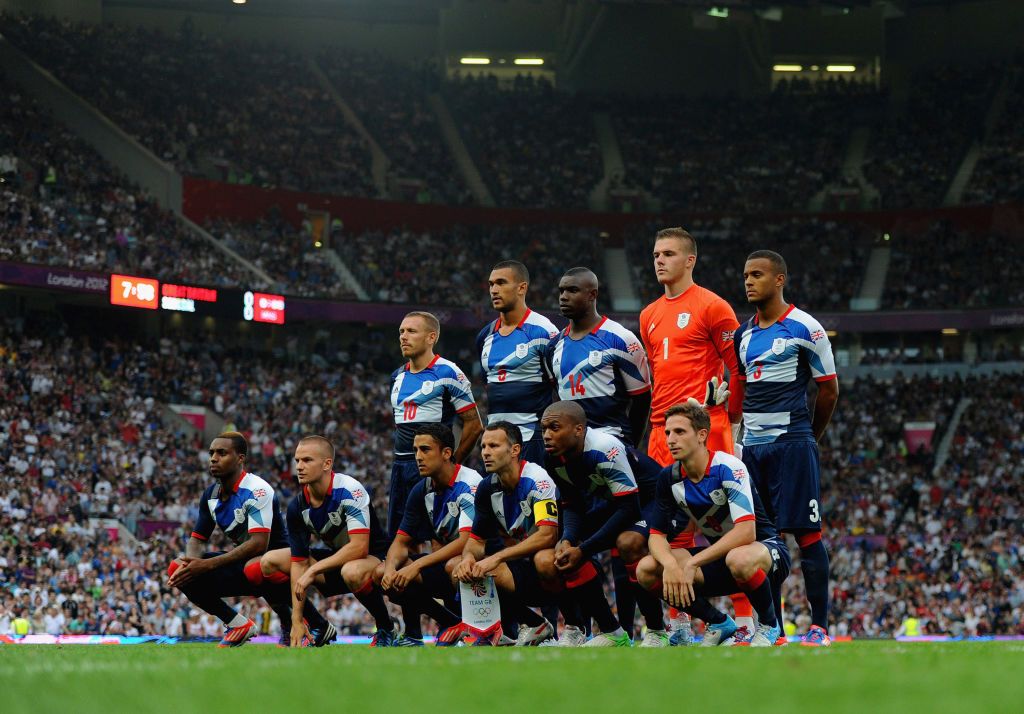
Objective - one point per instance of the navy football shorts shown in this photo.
(788, 480)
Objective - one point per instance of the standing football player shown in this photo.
(688, 334)
(780, 351)
(511, 351)
(427, 389)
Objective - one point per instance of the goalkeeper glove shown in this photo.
(717, 393)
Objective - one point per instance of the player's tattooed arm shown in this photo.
(471, 430)
(195, 548)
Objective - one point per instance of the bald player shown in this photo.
(688, 334)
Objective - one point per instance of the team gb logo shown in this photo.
(682, 320)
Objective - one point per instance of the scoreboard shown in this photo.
(150, 294)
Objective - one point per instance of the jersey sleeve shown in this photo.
(204, 521)
(633, 365)
(545, 507)
(260, 510)
(613, 466)
(722, 325)
(736, 484)
(460, 391)
(485, 525)
(467, 511)
(413, 522)
(660, 515)
(741, 369)
(357, 511)
(819, 349)
(298, 535)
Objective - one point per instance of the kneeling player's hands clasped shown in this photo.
(568, 557)
(401, 578)
(677, 583)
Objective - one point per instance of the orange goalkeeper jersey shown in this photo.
(687, 338)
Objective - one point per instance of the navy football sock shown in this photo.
(758, 590)
(814, 563)
(587, 585)
(704, 610)
(625, 596)
(372, 599)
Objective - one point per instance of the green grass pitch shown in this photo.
(862, 677)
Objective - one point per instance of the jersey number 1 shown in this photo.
(664, 349)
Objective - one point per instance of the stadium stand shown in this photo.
(246, 113)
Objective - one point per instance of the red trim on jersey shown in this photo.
(259, 530)
(553, 524)
(466, 408)
(497, 325)
(598, 326)
(300, 558)
(467, 529)
(744, 519)
(474, 536)
(455, 475)
(522, 465)
(433, 361)
(523, 321)
(358, 531)
(786, 313)
(625, 493)
(655, 531)
(234, 487)
(402, 533)
(408, 365)
(826, 378)
(198, 536)
(711, 457)
(639, 391)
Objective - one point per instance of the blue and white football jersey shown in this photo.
(515, 515)
(444, 513)
(435, 394)
(776, 363)
(601, 370)
(346, 511)
(716, 503)
(518, 381)
(251, 507)
(602, 471)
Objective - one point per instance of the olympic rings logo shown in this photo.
(482, 611)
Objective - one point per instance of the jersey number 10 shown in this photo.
(409, 413)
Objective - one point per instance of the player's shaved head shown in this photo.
(687, 241)
(567, 409)
(322, 444)
(584, 277)
(777, 262)
(518, 270)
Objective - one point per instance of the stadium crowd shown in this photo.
(824, 278)
(933, 270)
(391, 100)
(244, 112)
(535, 146)
(753, 155)
(450, 267)
(999, 174)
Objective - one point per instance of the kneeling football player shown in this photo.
(515, 505)
(440, 509)
(713, 492)
(335, 508)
